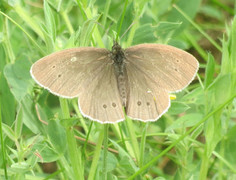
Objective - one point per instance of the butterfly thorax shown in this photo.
(118, 57)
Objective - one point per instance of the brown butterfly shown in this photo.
(138, 78)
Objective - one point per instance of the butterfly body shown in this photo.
(118, 57)
(138, 78)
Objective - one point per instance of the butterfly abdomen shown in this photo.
(122, 88)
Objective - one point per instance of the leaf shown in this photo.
(7, 102)
(160, 7)
(111, 162)
(61, 5)
(46, 153)
(211, 11)
(9, 132)
(221, 89)
(213, 132)
(29, 116)
(185, 121)
(177, 108)
(19, 122)
(126, 161)
(49, 21)
(18, 78)
(190, 8)
(20, 167)
(210, 70)
(57, 136)
(128, 19)
(165, 30)
(144, 34)
(230, 145)
(86, 31)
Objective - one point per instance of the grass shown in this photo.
(45, 137)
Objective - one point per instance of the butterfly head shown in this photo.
(117, 52)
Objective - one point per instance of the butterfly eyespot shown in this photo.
(177, 60)
(114, 104)
(53, 66)
(104, 106)
(59, 75)
(139, 103)
(73, 59)
(148, 103)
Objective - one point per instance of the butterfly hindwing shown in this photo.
(146, 101)
(101, 100)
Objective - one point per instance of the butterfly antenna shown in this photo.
(127, 30)
(121, 21)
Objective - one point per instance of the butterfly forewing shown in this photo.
(171, 68)
(66, 73)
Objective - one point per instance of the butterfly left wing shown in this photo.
(154, 70)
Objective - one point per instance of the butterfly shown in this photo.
(136, 80)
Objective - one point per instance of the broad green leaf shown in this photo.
(20, 167)
(126, 161)
(177, 108)
(165, 30)
(185, 121)
(189, 7)
(18, 78)
(144, 34)
(46, 153)
(7, 102)
(112, 162)
(57, 136)
(29, 116)
(222, 90)
(160, 7)
(213, 132)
